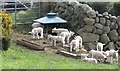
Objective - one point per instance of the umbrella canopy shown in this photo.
(51, 18)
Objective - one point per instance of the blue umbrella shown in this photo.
(51, 18)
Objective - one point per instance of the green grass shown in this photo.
(18, 57)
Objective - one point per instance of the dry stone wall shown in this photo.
(92, 26)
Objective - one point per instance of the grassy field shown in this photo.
(18, 57)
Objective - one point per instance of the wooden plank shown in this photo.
(30, 44)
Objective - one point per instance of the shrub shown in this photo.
(6, 29)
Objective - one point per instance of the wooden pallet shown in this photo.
(29, 44)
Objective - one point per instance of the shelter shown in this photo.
(51, 19)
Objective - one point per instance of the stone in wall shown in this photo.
(113, 35)
(91, 14)
(102, 21)
(88, 29)
(113, 18)
(110, 45)
(118, 43)
(89, 37)
(106, 29)
(119, 32)
(97, 19)
(97, 31)
(98, 26)
(89, 46)
(118, 20)
(114, 25)
(86, 7)
(104, 38)
(108, 22)
(89, 21)
(105, 14)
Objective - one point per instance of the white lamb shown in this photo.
(67, 35)
(57, 38)
(36, 31)
(112, 54)
(80, 40)
(100, 46)
(59, 30)
(91, 60)
(97, 54)
(35, 25)
(74, 45)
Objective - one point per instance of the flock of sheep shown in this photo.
(63, 36)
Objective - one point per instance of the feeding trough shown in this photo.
(30, 44)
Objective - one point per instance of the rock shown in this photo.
(119, 32)
(110, 45)
(105, 14)
(89, 37)
(80, 31)
(113, 18)
(97, 31)
(113, 35)
(68, 18)
(62, 15)
(106, 29)
(102, 21)
(89, 46)
(91, 14)
(104, 38)
(86, 7)
(89, 21)
(100, 15)
(98, 26)
(118, 43)
(108, 22)
(107, 17)
(88, 29)
(97, 19)
(118, 20)
(96, 12)
(114, 25)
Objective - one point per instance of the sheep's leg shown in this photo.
(33, 36)
(71, 48)
(38, 36)
(111, 60)
(68, 40)
(41, 34)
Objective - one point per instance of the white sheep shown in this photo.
(100, 46)
(59, 30)
(112, 54)
(80, 40)
(97, 54)
(74, 45)
(91, 60)
(36, 31)
(35, 25)
(67, 35)
(57, 38)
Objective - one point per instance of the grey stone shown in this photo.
(91, 13)
(89, 37)
(89, 21)
(62, 15)
(100, 15)
(102, 21)
(107, 17)
(113, 18)
(86, 7)
(68, 18)
(104, 38)
(113, 35)
(80, 31)
(98, 26)
(105, 14)
(118, 43)
(89, 46)
(118, 20)
(110, 45)
(96, 12)
(88, 29)
(97, 19)
(106, 29)
(97, 31)
(119, 32)
(108, 22)
(114, 25)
